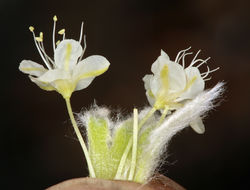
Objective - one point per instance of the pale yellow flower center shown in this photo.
(164, 98)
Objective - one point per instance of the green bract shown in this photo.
(107, 141)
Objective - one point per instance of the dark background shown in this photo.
(38, 147)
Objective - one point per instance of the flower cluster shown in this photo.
(131, 148)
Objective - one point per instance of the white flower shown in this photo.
(67, 72)
(171, 84)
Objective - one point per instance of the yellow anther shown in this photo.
(31, 28)
(58, 42)
(39, 39)
(62, 31)
(55, 18)
(41, 35)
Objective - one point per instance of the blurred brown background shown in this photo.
(38, 147)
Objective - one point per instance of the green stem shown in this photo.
(149, 114)
(134, 148)
(123, 160)
(129, 145)
(79, 136)
(163, 116)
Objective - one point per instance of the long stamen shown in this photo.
(208, 79)
(206, 73)
(41, 35)
(195, 57)
(183, 58)
(45, 54)
(196, 61)
(180, 52)
(80, 39)
(41, 46)
(180, 57)
(40, 43)
(203, 62)
(58, 42)
(62, 32)
(214, 70)
(54, 30)
(183, 55)
(31, 28)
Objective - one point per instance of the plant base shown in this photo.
(159, 182)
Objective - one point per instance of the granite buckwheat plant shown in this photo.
(131, 148)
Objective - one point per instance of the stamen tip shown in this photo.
(61, 32)
(41, 35)
(39, 39)
(31, 28)
(55, 18)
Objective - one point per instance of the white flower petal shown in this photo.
(195, 83)
(150, 96)
(160, 62)
(67, 53)
(146, 79)
(84, 83)
(53, 75)
(90, 67)
(32, 68)
(151, 99)
(163, 53)
(42, 85)
(156, 85)
(177, 79)
(198, 126)
(175, 73)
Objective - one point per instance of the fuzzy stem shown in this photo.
(79, 136)
(129, 145)
(134, 148)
